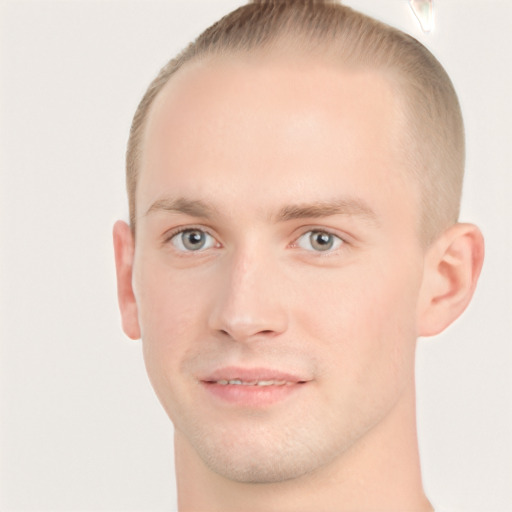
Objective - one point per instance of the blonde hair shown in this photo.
(434, 138)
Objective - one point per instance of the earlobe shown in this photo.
(452, 267)
(124, 249)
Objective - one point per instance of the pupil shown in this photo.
(194, 240)
(321, 241)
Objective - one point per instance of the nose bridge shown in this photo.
(250, 303)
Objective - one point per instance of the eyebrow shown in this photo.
(194, 208)
(317, 209)
(343, 206)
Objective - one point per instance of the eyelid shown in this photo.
(344, 238)
(170, 234)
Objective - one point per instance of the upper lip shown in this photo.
(251, 375)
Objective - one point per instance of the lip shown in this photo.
(278, 386)
(251, 394)
(251, 374)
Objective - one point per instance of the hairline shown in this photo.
(391, 76)
(421, 138)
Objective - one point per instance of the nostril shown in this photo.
(262, 324)
(239, 335)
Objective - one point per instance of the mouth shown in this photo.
(256, 387)
(262, 383)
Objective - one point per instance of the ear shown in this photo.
(124, 249)
(452, 266)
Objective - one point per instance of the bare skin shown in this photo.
(279, 285)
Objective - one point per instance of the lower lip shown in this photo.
(252, 396)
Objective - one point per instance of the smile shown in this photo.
(251, 388)
(239, 382)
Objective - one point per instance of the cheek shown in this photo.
(365, 319)
(171, 316)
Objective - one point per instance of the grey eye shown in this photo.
(192, 240)
(319, 241)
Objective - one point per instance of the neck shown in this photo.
(379, 472)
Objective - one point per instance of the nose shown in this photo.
(251, 304)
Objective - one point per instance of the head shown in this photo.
(294, 181)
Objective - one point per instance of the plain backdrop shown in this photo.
(80, 426)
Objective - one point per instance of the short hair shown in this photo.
(434, 136)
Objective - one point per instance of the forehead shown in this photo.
(225, 128)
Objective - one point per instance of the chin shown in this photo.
(264, 456)
(270, 469)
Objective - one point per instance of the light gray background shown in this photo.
(80, 427)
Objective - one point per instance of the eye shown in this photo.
(190, 240)
(319, 241)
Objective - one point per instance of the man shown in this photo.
(294, 182)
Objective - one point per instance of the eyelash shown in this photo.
(168, 237)
(295, 244)
(343, 242)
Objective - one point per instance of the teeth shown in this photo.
(265, 382)
(239, 382)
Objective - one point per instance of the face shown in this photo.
(277, 265)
